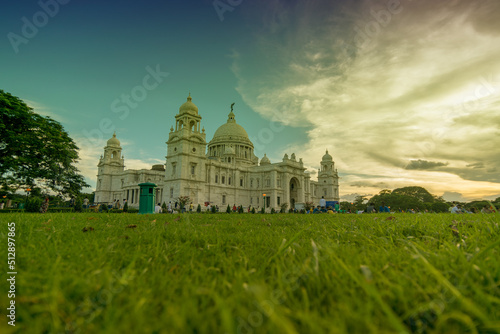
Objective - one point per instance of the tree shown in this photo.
(35, 151)
(283, 207)
(419, 193)
(182, 201)
(439, 207)
(78, 207)
(359, 202)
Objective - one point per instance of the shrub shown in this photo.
(263, 210)
(125, 207)
(198, 209)
(103, 208)
(240, 209)
(214, 209)
(115, 211)
(253, 210)
(228, 209)
(272, 210)
(33, 204)
(283, 207)
(164, 208)
(11, 210)
(132, 210)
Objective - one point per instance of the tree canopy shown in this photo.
(410, 198)
(35, 151)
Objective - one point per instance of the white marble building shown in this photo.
(224, 171)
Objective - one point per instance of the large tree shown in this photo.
(419, 193)
(35, 151)
(410, 198)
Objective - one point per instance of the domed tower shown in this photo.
(328, 179)
(231, 143)
(186, 145)
(112, 163)
(265, 160)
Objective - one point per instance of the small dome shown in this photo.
(265, 160)
(188, 106)
(113, 141)
(327, 157)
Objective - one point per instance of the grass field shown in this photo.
(243, 273)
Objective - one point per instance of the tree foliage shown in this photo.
(183, 200)
(35, 151)
(419, 193)
(416, 198)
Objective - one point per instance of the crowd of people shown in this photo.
(175, 207)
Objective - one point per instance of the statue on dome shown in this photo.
(232, 104)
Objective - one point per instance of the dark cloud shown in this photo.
(489, 174)
(476, 165)
(424, 165)
(484, 15)
(366, 184)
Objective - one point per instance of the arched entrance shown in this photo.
(294, 192)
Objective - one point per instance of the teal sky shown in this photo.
(401, 93)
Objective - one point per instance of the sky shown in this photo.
(400, 93)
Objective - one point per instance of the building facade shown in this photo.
(221, 172)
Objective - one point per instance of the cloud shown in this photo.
(422, 87)
(453, 196)
(423, 164)
(45, 110)
(476, 165)
(365, 184)
(352, 197)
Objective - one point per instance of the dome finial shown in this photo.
(189, 97)
(230, 117)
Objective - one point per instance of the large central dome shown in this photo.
(230, 129)
(231, 132)
(231, 141)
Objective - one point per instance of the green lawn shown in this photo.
(244, 273)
